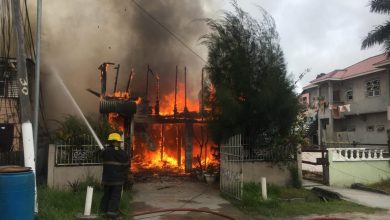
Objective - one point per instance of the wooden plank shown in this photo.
(314, 150)
(310, 162)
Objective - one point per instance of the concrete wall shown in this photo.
(275, 174)
(324, 91)
(359, 123)
(362, 103)
(253, 171)
(61, 176)
(343, 172)
(313, 93)
(347, 172)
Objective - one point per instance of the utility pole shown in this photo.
(37, 75)
(23, 91)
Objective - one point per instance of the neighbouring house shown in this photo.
(351, 104)
(10, 128)
(11, 145)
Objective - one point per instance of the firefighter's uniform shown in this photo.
(115, 170)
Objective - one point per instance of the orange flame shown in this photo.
(138, 101)
(167, 102)
(162, 146)
(169, 150)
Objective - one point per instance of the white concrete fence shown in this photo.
(355, 154)
(357, 165)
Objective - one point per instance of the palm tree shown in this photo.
(381, 33)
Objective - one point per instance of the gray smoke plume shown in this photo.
(79, 35)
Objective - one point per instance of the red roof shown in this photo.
(361, 68)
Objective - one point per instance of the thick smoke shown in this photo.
(79, 35)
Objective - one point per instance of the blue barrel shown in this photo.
(17, 195)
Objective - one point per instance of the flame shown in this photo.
(120, 95)
(167, 102)
(138, 101)
(162, 146)
(171, 157)
(116, 121)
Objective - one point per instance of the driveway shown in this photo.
(169, 193)
(370, 199)
(181, 193)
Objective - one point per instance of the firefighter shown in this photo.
(115, 170)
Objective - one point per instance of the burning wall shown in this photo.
(167, 150)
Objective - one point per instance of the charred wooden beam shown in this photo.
(188, 132)
(185, 91)
(103, 76)
(93, 92)
(129, 81)
(175, 106)
(116, 76)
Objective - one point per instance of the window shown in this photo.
(336, 96)
(12, 89)
(304, 100)
(370, 128)
(2, 89)
(380, 128)
(373, 87)
(349, 94)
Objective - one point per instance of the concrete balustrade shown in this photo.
(355, 154)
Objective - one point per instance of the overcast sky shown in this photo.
(320, 35)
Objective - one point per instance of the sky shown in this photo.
(320, 35)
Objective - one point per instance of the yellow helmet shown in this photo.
(115, 137)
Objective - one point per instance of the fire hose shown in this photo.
(179, 209)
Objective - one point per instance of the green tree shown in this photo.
(381, 33)
(250, 91)
(73, 128)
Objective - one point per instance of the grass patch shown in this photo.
(57, 204)
(286, 201)
(382, 185)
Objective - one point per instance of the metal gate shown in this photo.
(315, 165)
(231, 181)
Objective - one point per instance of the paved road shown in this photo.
(383, 215)
(369, 199)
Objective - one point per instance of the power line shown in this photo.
(169, 31)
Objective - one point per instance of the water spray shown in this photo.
(79, 110)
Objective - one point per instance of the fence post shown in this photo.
(299, 161)
(241, 155)
(50, 165)
(388, 140)
(325, 165)
(264, 188)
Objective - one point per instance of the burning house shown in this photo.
(168, 135)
